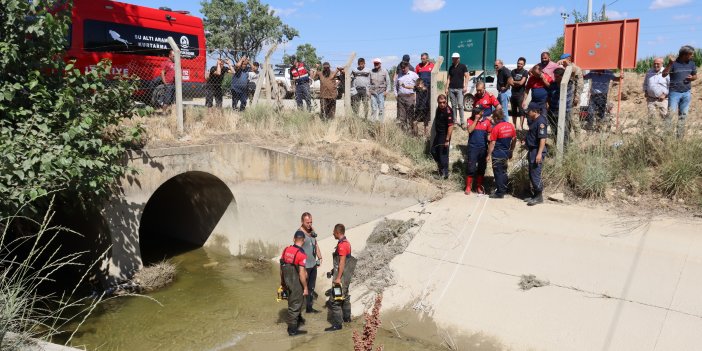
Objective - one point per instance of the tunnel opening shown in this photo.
(181, 215)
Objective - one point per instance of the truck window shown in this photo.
(101, 36)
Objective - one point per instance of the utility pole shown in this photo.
(589, 10)
(565, 16)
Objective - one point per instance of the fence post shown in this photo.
(560, 137)
(433, 94)
(347, 85)
(178, 84)
(275, 91)
(262, 71)
(434, 89)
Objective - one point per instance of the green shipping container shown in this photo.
(477, 47)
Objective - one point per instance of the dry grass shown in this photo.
(155, 276)
(349, 141)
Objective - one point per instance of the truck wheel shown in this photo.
(468, 102)
(158, 96)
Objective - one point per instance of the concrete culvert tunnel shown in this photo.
(181, 215)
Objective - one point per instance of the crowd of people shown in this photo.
(298, 276)
(532, 96)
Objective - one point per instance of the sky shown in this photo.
(390, 28)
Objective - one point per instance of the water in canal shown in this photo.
(220, 302)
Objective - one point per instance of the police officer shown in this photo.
(301, 79)
(536, 145)
(479, 127)
(503, 139)
(293, 278)
(344, 265)
(443, 123)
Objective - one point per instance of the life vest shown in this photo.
(287, 253)
(300, 74)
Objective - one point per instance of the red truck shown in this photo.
(134, 38)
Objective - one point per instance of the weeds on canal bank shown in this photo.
(27, 263)
(348, 140)
(647, 162)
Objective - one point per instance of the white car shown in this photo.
(490, 79)
(282, 77)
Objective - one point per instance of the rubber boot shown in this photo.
(469, 184)
(538, 199)
(479, 187)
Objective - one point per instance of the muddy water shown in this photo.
(220, 302)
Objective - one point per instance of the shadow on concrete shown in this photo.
(181, 215)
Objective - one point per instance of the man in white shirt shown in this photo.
(655, 88)
(404, 91)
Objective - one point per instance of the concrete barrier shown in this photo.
(269, 190)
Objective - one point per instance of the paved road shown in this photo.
(616, 283)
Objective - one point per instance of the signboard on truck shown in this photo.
(477, 47)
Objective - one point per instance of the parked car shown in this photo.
(490, 79)
(282, 77)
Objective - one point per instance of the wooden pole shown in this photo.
(347, 84)
(434, 89)
(275, 92)
(262, 74)
(434, 93)
(560, 137)
(621, 72)
(178, 85)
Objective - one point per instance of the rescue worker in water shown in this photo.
(293, 278)
(344, 265)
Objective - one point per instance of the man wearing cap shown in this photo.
(398, 69)
(404, 91)
(379, 88)
(458, 78)
(504, 82)
(503, 139)
(301, 79)
(293, 278)
(479, 127)
(655, 86)
(536, 147)
(576, 77)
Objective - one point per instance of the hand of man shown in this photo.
(337, 280)
(689, 77)
(305, 292)
(538, 158)
(671, 58)
(446, 143)
(465, 90)
(487, 159)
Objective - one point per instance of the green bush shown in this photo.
(681, 171)
(643, 65)
(59, 128)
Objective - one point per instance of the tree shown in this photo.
(237, 28)
(60, 129)
(556, 50)
(305, 53)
